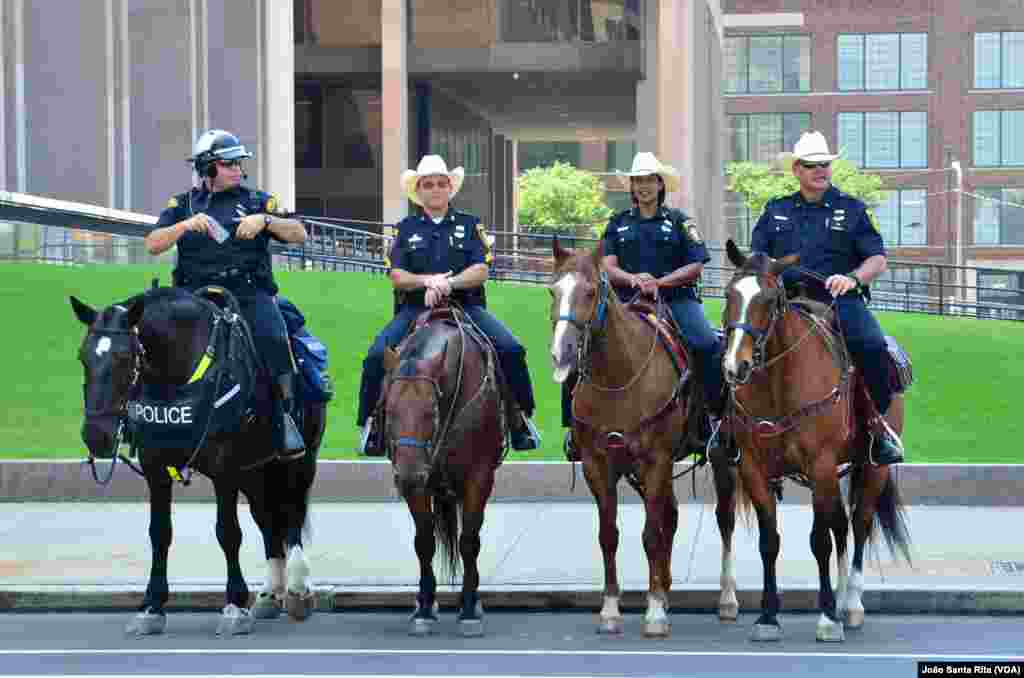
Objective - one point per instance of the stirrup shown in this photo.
(293, 440)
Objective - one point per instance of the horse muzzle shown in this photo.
(100, 436)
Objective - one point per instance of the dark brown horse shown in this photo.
(795, 410)
(157, 339)
(629, 419)
(443, 428)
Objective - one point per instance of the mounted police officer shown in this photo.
(836, 237)
(658, 251)
(442, 253)
(223, 230)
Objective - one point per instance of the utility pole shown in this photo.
(958, 214)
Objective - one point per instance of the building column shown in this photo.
(394, 108)
(423, 119)
(499, 183)
(277, 163)
(674, 99)
(509, 218)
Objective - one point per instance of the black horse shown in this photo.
(160, 339)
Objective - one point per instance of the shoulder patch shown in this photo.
(487, 241)
(691, 230)
(172, 203)
(873, 220)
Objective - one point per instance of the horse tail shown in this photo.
(890, 511)
(744, 504)
(446, 530)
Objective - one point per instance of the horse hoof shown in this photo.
(766, 633)
(471, 628)
(300, 605)
(235, 621)
(419, 626)
(658, 629)
(829, 631)
(147, 623)
(728, 613)
(611, 626)
(267, 606)
(855, 618)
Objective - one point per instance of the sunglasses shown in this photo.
(429, 185)
(229, 163)
(815, 165)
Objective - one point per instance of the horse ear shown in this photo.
(390, 358)
(86, 314)
(135, 311)
(780, 265)
(559, 252)
(733, 252)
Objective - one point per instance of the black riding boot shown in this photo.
(287, 437)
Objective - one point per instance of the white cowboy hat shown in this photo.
(431, 165)
(812, 147)
(645, 164)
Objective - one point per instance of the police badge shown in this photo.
(487, 241)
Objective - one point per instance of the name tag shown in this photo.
(620, 229)
(780, 217)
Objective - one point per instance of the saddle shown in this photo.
(667, 331)
(899, 368)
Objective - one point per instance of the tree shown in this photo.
(758, 183)
(561, 197)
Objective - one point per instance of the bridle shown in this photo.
(119, 411)
(760, 337)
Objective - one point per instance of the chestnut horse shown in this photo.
(796, 412)
(629, 419)
(444, 429)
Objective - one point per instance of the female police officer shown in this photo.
(222, 230)
(441, 253)
(657, 251)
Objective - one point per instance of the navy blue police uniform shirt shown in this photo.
(660, 245)
(200, 257)
(834, 236)
(425, 248)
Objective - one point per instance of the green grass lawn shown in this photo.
(960, 409)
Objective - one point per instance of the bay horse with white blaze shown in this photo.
(797, 410)
(444, 428)
(156, 340)
(630, 418)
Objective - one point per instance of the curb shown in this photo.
(694, 599)
(521, 481)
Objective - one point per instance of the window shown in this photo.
(903, 217)
(998, 138)
(309, 130)
(767, 64)
(999, 216)
(760, 137)
(620, 155)
(997, 287)
(885, 140)
(998, 60)
(883, 61)
(545, 153)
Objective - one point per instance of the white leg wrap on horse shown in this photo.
(298, 570)
(854, 605)
(275, 577)
(611, 608)
(842, 583)
(728, 605)
(656, 611)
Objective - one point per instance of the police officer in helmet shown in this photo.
(837, 238)
(222, 230)
(443, 253)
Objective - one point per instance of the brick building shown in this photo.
(907, 87)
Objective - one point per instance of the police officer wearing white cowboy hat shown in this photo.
(837, 238)
(657, 250)
(442, 253)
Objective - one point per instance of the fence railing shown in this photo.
(40, 229)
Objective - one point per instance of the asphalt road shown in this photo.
(522, 644)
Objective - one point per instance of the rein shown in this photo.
(769, 427)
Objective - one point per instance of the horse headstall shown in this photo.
(760, 337)
(432, 444)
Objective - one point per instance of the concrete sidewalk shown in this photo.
(88, 555)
